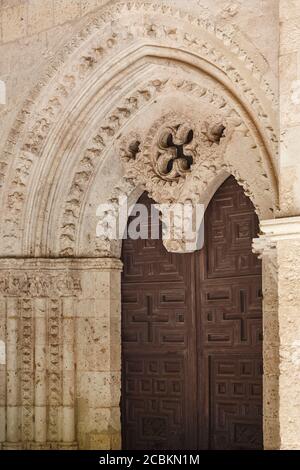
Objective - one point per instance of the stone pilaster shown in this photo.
(267, 251)
(98, 350)
(60, 356)
(279, 247)
(289, 115)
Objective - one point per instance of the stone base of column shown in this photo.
(104, 441)
(39, 446)
(12, 446)
(68, 446)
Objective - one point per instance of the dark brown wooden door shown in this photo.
(191, 336)
(159, 386)
(229, 314)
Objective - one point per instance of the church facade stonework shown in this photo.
(106, 99)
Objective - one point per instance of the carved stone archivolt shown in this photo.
(222, 143)
(77, 75)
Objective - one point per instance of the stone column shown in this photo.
(60, 353)
(280, 251)
(267, 252)
(40, 372)
(68, 383)
(13, 402)
(2, 374)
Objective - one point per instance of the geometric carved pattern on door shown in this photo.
(236, 397)
(159, 389)
(229, 306)
(192, 336)
(154, 410)
(231, 312)
(230, 225)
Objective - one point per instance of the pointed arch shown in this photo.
(130, 64)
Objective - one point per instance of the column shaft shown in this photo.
(40, 363)
(68, 427)
(12, 379)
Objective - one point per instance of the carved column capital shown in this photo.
(276, 230)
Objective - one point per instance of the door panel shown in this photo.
(235, 401)
(229, 319)
(159, 361)
(192, 336)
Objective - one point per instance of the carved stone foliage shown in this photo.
(214, 120)
(27, 368)
(222, 144)
(37, 323)
(54, 368)
(45, 307)
(90, 53)
(132, 145)
(38, 284)
(212, 132)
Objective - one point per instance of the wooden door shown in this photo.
(229, 314)
(159, 378)
(191, 336)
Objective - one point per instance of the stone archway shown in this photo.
(74, 146)
(68, 129)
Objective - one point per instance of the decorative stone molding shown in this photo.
(56, 354)
(273, 231)
(281, 229)
(208, 145)
(137, 150)
(169, 152)
(37, 285)
(161, 32)
(175, 152)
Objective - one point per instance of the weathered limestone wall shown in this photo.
(289, 79)
(60, 323)
(289, 333)
(98, 350)
(286, 233)
(271, 428)
(31, 31)
(279, 246)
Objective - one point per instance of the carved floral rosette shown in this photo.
(164, 161)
